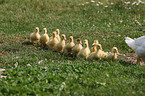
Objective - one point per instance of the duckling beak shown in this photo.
(93, 43)
(117, 52)
(64, 38)
(80, 42)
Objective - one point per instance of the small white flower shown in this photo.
(28, 65)
(127, 2)
(121, 21)
(112, 3)
(87, 2)
(97, 4)
(16, 64)
(17, 57)
(109, 23)
(143, 20)
(101, 3)
(40, 61)
(106, 6)
(92, 1)
(107, 75)
(101, 83)
(98, 11)
(82, 4)
(133, 3)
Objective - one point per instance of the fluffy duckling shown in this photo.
(35, 36)
(69, 46)
(77, 47)
(52, 43)
(60, 46)
(112, 55)
(98, 54)
(44, 39)
(57, 34)
(85, 51)
(94, 49)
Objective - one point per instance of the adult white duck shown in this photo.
(138, 45)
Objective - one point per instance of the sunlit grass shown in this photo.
(33, 70)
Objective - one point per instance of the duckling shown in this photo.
(86, 41)
(94, 49)
(44, 39)
(69, 46)
(52, 43)
(60, 46)
(77, 47)
(113, 54)
(98, 54)
(35, 36)
(57, 34)
(85, 51)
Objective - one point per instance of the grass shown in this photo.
(32, 70)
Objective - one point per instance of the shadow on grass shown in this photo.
(125, 63)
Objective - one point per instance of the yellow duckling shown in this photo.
(94, 49)
(35, 36)
(69, 46)
(85, 51)
(52, 43)
(98, 54)
(77, 47)
(44, 39)
(57, 34)
(113, 54)
(60, 46)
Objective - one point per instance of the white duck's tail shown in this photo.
(130, 42)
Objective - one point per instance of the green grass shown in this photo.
(61, 75)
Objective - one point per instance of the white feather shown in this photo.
(138, 45)
(130, 42)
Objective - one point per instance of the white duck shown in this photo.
(138, 45)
